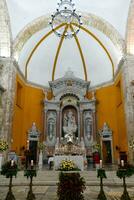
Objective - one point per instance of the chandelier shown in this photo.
(65, 14)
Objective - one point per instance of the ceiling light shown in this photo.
(65, 13)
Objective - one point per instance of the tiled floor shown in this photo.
(49, 192)
(45, 186)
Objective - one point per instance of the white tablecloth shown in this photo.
(78, 160)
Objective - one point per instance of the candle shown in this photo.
(100, 163)
(27, 144)
(12, 163)
(118, 161)
(122, 163)
(31, 162)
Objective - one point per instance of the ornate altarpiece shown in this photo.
(69, 106)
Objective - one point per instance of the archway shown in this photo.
(69, 119)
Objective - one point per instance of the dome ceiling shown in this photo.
(23, 12)
(98, 64)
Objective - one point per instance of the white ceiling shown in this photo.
(98, 65)
(24, 11)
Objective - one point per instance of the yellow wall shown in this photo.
(30, 110)
(121, 121)
(110, 109)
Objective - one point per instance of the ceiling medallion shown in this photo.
(65, 13)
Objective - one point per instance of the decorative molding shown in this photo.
(88, 19)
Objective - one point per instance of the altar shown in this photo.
(69, 120)
(77, 159)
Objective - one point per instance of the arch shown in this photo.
(80, 50)
(88, 19)
(130, 29)
(58, 51)
(37, 45)
(81, 53)
(5, 30)
(100, 43)
(73, 110)
(60, 44)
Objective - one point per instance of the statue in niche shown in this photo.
(69, 126)
(34, 130)
(88, 128)
(51, 125)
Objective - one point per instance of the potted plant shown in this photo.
(10, 169)
(71, 186)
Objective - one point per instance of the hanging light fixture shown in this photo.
(65, 13)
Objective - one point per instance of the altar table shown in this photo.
(78, 160)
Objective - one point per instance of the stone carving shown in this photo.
(106, 132)
(70, 126)
(51, 127)
(69, 114)
(69, 84)
(51, 124)
(33, 133)
(88, 125)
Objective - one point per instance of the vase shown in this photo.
(1, 160)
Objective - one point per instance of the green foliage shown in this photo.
(70, 186)
(30, 173)
(41, 146)
(101, 173)
(125, 172)
(8, 170)
(3, 145)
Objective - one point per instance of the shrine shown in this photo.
(69, 117)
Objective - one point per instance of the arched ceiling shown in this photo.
(23, 12)
(98, 64)
(41, 64)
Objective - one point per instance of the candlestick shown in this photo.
(12, 163)
(32, 163)
(100, 163)
(122, 163)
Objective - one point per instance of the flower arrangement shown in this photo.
(96, 147)
(68, 165)
(41, 146)
(3, 145)
(126, 171)
(9, 170)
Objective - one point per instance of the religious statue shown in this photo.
(69, 126)
(33, 130)
(50, 129)
(88, 128)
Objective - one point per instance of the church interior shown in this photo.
(67, 78)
